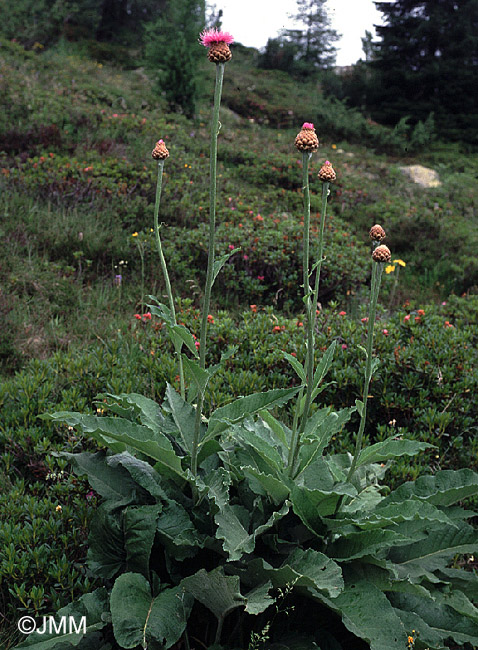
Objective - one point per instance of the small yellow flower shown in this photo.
(401, 262)
(334, 146)
(389, 269)
(135, 234)
(58, 508)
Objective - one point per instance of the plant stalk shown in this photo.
(165, 269)
(211, 252)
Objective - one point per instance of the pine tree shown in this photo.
(427, 62)
(314, 42)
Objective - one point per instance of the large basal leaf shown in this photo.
(281, 432)
(136, 405)
(312, 505)
(259, 599)
(141, 472)
(236, 539)
(177, 532)
(368, 614)
(113, 483)
(265, 484)
(367, 542)
(442, 489)
(219, 593)
(435, 551)
(139, 532)
(244, 406)
(94, 607)
(106, 552)
(303, 568)
(255, 434)
(435, 620)
(139, 618)
(466, 581)
(390, 448)
(137, 437)
(183, 414)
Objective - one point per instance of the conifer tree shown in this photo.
(427, 62)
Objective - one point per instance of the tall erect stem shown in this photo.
(165, 268)
(210, 260)
(376, 278)
(311, 312)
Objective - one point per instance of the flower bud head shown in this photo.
(160, 152)
(306, 139)
(327, 173)
(377, 233)
(382, 254)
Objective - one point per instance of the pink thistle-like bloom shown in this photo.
(307, 125)
(212, 36)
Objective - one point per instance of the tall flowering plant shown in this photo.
(238, 529)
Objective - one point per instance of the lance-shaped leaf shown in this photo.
(442, 489)
(148, 411)
(323, 368)
(435, 551)
(298, 367)
(135, 436)
(367, 542)
(219, 593)
(276, 488)
(465, 581)
(93, 608)
(244, 406)
(390, 448)
(139, 618)
(436, 620)
(219, 263)
(255, 434)
(368, 614)
(183, 414)
(179, 334)
(312, 505)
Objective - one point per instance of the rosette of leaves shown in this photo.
(245, 549)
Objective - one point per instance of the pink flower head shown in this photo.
(385, 332)
(327, 162)
(407, 317)
(342, 313)
(211, 36)
(307, 125)
(344, 346)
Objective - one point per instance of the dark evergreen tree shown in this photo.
(279, 54)
(427, 62)
(172, 52)
(314, 42)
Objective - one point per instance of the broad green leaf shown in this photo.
(298, 367)
(367, 542)
(106, 552)
(259, 599)
(94, 607)
(141, 472)
(282, 432)
(219, 263)
(236, 411)
(113, 483)
(309, 569)
(435, 620)
(184, 416)
(276, 488)
(368, 614)
(312, 505)
(465, 581)
(161, 311)
(198, 375)
(295, 642)
(177, 532)
(219, 593)
(139, 618)
(236, 539)
(435, 551)
(255, 434)
(442, 489)
(148, 411)
(390, 448)
(180, 335)
(139, 532)
(138, 437)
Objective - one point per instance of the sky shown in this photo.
(252, 22)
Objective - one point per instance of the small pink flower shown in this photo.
(344, 346)
(443, 304)
(407, 318)
(260, 277)
(385, 332)
(364, 320)
(342, 313)
(197, 344)
(147, 316)
(231, 247)
(137, 316)
(245, 257)
(210, 36)
(307, 125)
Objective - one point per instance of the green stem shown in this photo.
(376, 278)
(165, 268)
(210, 260)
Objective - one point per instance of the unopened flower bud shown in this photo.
(327, 173)
(377, 233)
(306, 139)
(382, 254)
(160, 152)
